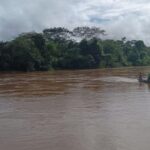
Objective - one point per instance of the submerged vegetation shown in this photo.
(80, 48)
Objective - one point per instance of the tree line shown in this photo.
(61, 48)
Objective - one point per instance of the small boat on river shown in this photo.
(144, 80)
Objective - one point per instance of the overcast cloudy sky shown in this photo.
(130, 18)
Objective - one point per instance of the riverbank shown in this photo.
(41, 52)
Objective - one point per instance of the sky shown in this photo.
(120, 18)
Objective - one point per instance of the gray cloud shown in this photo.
(118, 17)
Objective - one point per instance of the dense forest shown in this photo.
(80, 48)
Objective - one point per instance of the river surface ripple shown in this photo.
(102, 109)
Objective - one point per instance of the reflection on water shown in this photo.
(103, 109)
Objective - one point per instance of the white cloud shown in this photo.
(118, 17)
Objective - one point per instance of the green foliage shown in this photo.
(54, 49)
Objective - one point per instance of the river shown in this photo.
(101, 109)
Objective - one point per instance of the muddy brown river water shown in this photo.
(103, 109)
